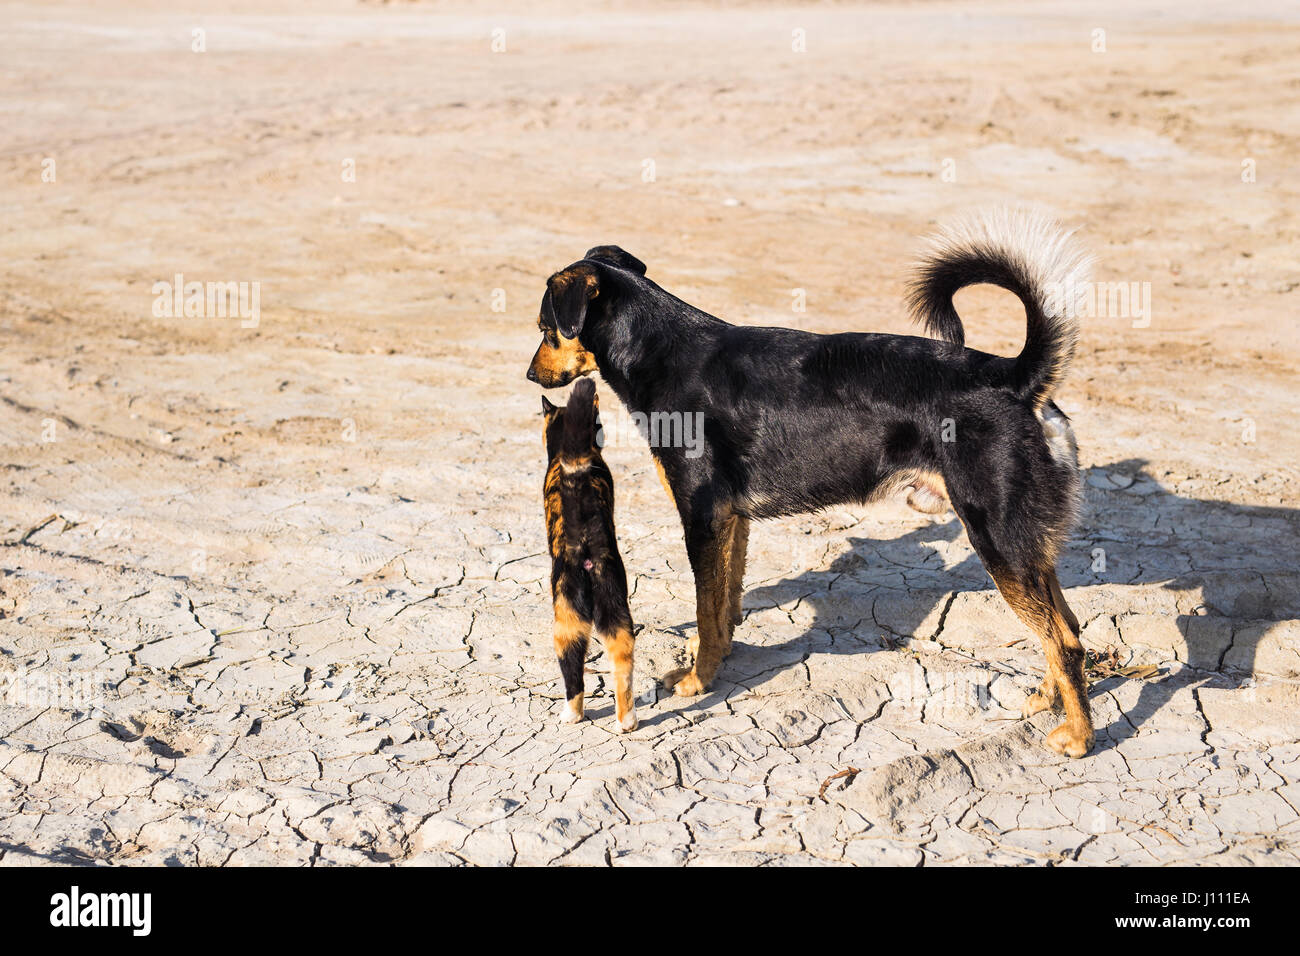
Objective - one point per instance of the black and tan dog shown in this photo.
(795, 422)
(588, 583)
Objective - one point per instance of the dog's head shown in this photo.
(572, 303)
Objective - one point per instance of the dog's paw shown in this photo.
(1046, 697)
(1039, 701)
(1035, 703)
(673, 676)
(628, 722)
(689, 686)
(1071, 741)
(684, 682)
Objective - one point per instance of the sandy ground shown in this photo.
(291, 604)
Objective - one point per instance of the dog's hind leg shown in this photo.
(1017, 512)
(1048, 695)
(1037, 600)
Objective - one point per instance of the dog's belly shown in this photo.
(823, 461)
(788, 486)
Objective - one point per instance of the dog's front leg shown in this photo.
(705, 545)
(690, 681)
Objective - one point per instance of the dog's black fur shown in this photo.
(795, 422)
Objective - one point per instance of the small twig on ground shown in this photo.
(37, 527)
(1103, 664)
(1152, 826)
(851, 772)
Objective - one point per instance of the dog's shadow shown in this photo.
(881, 593)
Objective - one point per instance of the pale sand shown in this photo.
(321, 650)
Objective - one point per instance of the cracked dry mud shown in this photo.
(292, 607)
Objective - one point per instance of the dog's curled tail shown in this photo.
(1025, 253)
(580, 421)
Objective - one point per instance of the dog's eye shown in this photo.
(552, 339)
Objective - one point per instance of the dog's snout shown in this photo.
(532, 375)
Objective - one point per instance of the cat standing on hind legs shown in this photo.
(588, 581)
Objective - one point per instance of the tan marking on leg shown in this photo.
(554, 509)
(722, 584)
(663, 480)
(1046, 697)
(569, 628)
(929, 494)
(573, 711)
(567, 619)
(711, 603)
(1076, 736)
(618, 646)
(736, 581)
(1049, 692)
(1042, 607)
(1059, 600)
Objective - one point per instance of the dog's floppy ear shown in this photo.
(567, 295)
(616, 257)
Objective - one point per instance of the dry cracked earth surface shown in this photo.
(279, 594)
